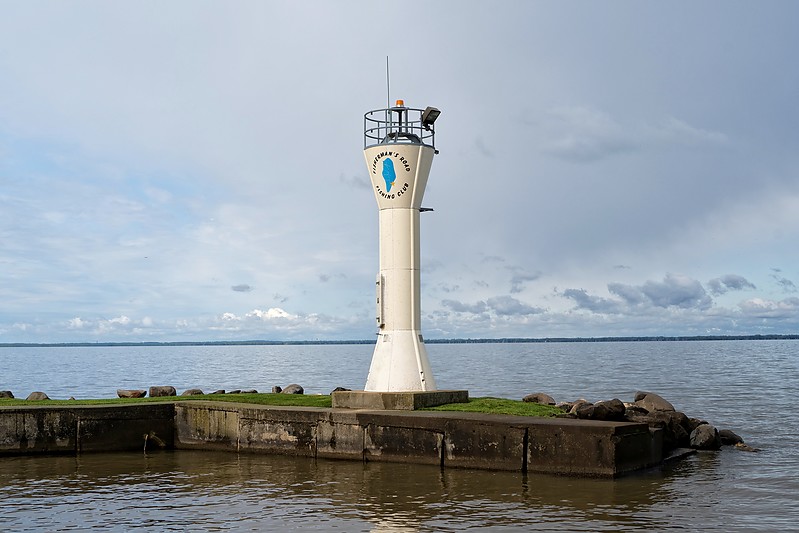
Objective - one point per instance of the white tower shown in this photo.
(399, 144)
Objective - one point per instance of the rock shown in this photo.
(6, 394)
(694, 423)
(277, 390)
(577, 405)
(293, 389)
(37, 396)
(162, 391)
(583, 410)
(673, 423)
(192, 392)
(340, 389)
(71, 398)
(131, 393)
(652, 402)
(564, 406)
(609, 410)
(605, 410)
(219, 391)
(728, 438)
(249, 391)
(539, 397)
(235, 391)
(705, 437)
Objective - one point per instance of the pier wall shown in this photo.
(462, 440)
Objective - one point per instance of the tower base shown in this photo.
(403, 401)
(400, 363)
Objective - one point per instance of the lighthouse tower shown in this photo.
(399, 145)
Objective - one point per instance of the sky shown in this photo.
(193, 170)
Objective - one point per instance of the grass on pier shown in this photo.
(500, 406)
(476, 405)
(294, 400)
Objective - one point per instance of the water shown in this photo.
(747, 386)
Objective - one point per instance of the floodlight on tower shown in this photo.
(399, 145)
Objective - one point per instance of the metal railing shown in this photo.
(397, 125)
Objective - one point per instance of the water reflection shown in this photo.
(222, 491)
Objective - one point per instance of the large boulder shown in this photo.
(675, 425)
(652, 402)
(293, 389)
(277, 389)
(728, 438)
(705, 437)
(131, 393)
(609, 410)
(37, 396)
(579, 404)
(192, 392)
(6, 394)
(612, 410)
(163, 391)
(539, 397)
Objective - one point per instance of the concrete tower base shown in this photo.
(400, 401)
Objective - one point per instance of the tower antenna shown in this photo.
(388, 86)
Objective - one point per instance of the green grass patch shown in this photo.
(291, 400)
(500, 406)
(476, 405)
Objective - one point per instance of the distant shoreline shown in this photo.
(512, 340)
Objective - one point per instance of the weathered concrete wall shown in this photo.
(463, 440)
(30, 430)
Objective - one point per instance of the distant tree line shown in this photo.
(428, 341)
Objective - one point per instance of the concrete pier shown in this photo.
(450, 439)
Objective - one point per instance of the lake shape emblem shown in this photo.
(388, 173)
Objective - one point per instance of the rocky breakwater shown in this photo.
(679, 430)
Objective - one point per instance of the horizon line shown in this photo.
(503, 340)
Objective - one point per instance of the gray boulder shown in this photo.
(192, 392)
(728, 438)
(293, 389)
(705, 437)
(249, 391)
(605, 410)
(37, 396)
(131, 393)
(609, 410)
(340, 389)
(652, 402)
(579, 404)
(163, 391)
(539, 397)
(235, 391)
(6, 394)
(219, 391)
(277, 389)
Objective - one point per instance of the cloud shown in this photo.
(595, 304)
(241, 288)
(518, 280)
(787, 285)
(730, 282)
(508, 306)
(582, 134)
(675, 291)
(499, 305)
(761, 308)
(460, 307)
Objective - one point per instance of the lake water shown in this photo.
(746, 386)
